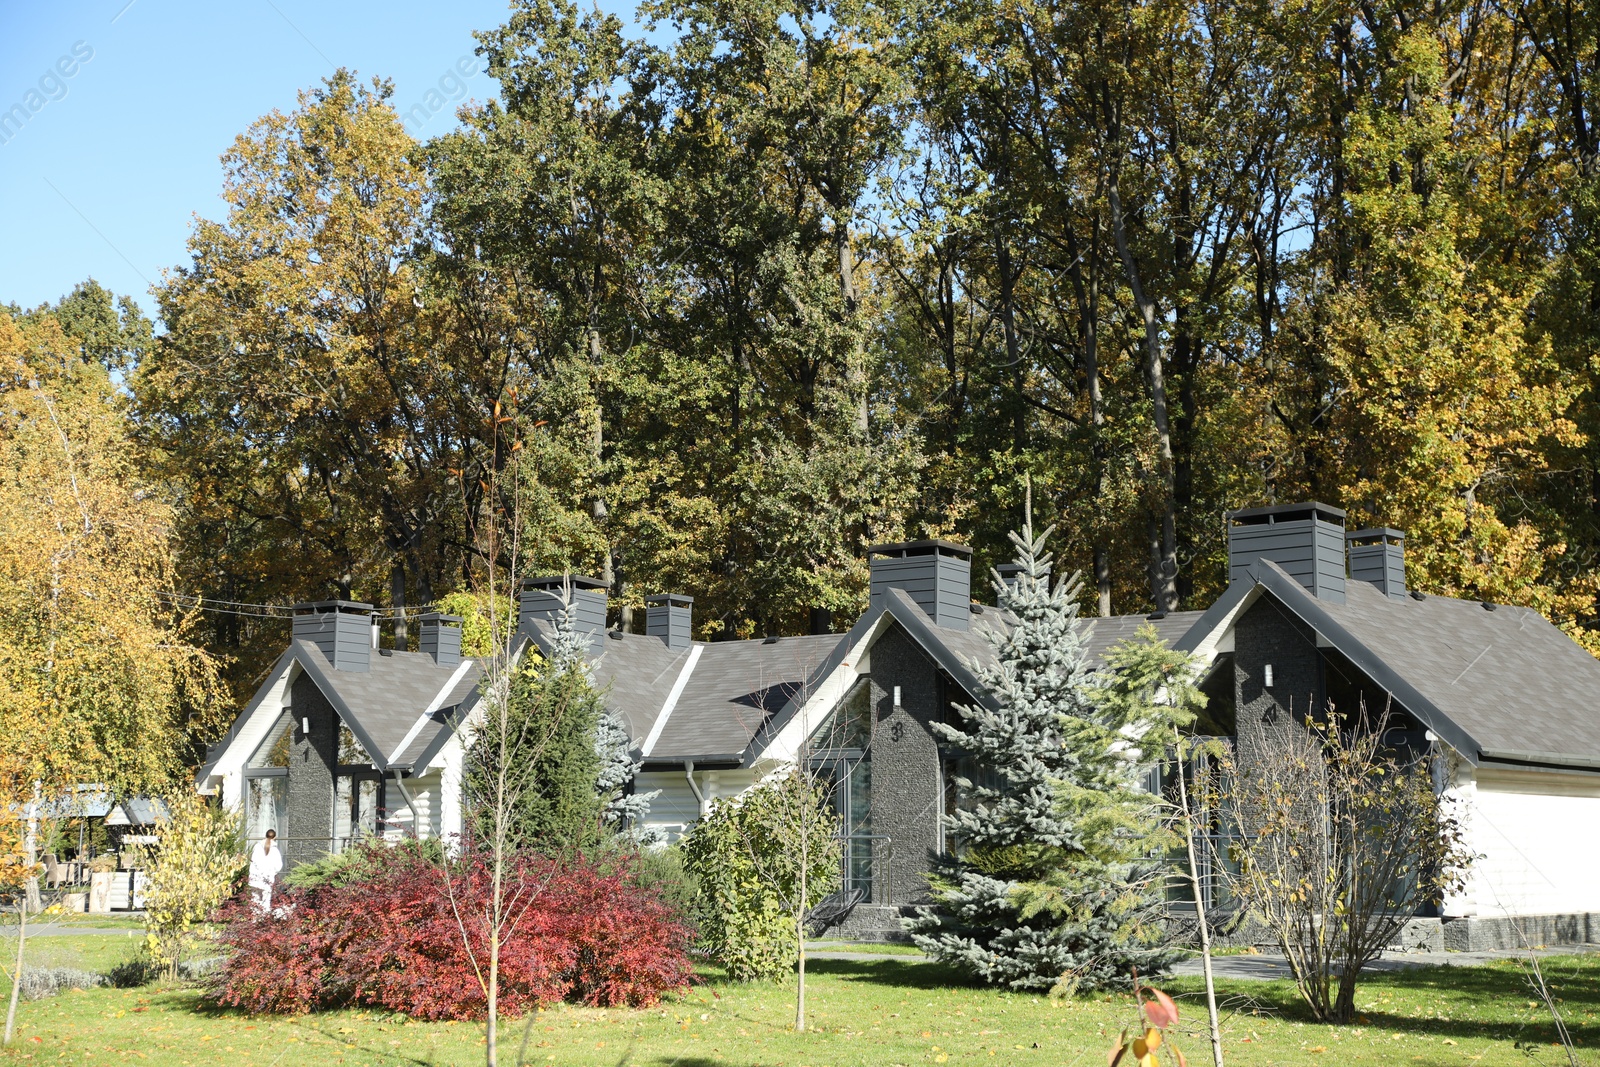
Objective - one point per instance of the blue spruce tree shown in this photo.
(1048, 880)
(621, 811)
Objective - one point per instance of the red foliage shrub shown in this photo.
(394, 939)
(278, 965)
(625, 946)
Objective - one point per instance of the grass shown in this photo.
(99, 921)
(867, 948)
(870, 1012)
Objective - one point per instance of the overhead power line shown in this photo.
(274, 611)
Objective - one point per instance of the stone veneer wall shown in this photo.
(1269, 634)
(907, 796)
(311, 762)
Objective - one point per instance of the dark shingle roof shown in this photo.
(735, 687)
(384, 705)
(1502, 684)
(636, 672)
(1508, 677)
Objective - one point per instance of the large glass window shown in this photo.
(850, 725)
(841, 751)
(273, 751)
(355, 809)
(266, 800)
(351, 752)
(266, 804)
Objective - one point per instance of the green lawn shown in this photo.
(868, 948)
(863, 1012)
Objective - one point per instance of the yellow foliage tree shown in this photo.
(194, 868)
(1450, 411)
(99, 681)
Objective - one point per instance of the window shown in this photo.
(849, 727)
(355, 809)
(273, 751)
(266, 805)
(266, 781)
(351, 752)
(1215, 835)
(849, 786)
(842, 755)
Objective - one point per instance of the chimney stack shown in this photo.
(441, 638)
(935, 574)
(1378, 556)
(1306, 540)
(1011, 573)
(541, 600)
(670, 616)
(341, 629)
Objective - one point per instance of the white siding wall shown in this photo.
(424, 821)
(676, 806)
(451, 767)
(1530, 831)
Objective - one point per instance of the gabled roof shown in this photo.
(398, 705)
(401, 709)
(1501, 685)
(138, 811)
(956, 652)
(704, 702)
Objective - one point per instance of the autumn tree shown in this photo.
(301, 398)
(781, 281)
(102, 679)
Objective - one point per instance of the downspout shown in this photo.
(410, 803)
(688, 772)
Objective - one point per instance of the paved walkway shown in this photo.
(1267, 966)
(72, 929)
(1249, 968)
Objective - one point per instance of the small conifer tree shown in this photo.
(552, 716)
(1043, 881)
(621, 810)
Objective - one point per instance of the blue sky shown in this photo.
(111, 163)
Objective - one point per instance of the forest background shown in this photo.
(787, 280)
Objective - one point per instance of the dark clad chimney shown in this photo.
(670, 616)
(542, 601)
(441, 638)
(341, 629)
(1306, 540)
(1378, 556)
(937, 575)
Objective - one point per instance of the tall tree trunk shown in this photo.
(1008, 326)
(1185, 358)
(1165, 567)
(1102, 580)
(16, 977)
(1088, 294)
(597, 444)
(397, 598)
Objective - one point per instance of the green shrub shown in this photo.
(665, 872)
(746, 856)
(361, 862)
